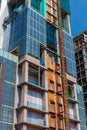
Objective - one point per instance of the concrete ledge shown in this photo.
(71, 78)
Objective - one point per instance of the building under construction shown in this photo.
(38, 33)
(80, 45)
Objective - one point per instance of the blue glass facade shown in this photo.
(51, 34)
(65, 5)
(27, 32)
(7, 108)
(81, 107)
(69, 54)
(51, 38)
(36, 33)
(40, 6)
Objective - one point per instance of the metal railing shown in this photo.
(33, 82)
(36, 83)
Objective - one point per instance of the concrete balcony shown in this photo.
(37, 122)
(74, 118)
(32, 122)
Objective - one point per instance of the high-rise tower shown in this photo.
(80, 44)
(38, 33)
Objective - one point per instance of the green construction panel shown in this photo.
(43, 10)
(65, 4)
(40, 6)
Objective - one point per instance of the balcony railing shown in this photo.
(36, 83)
(74, 117)
(33, 82)
(37, 121)
(34, 105)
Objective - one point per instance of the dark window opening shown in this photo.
(83, 73)
(78, 68)
(76, 55)
(42, 61)
(77, 61)
(79, 82)
(64, 21)
(15, 52)
(84, 81)
(82, 66)
(81, 59)
(78, 75)
(80, 53)
(19, 4)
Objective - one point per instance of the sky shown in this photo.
(78, 16)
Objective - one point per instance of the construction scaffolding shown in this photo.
(63, 70)
(55, 99)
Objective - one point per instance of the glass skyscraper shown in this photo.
(34, 97)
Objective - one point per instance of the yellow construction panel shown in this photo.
(58, 79)
(51, 97)
(60, 100)
(50, 76)
(60, 124)
(52, 121)
(51, 107)
(50, 85)
(50, 62)
(52, 67)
